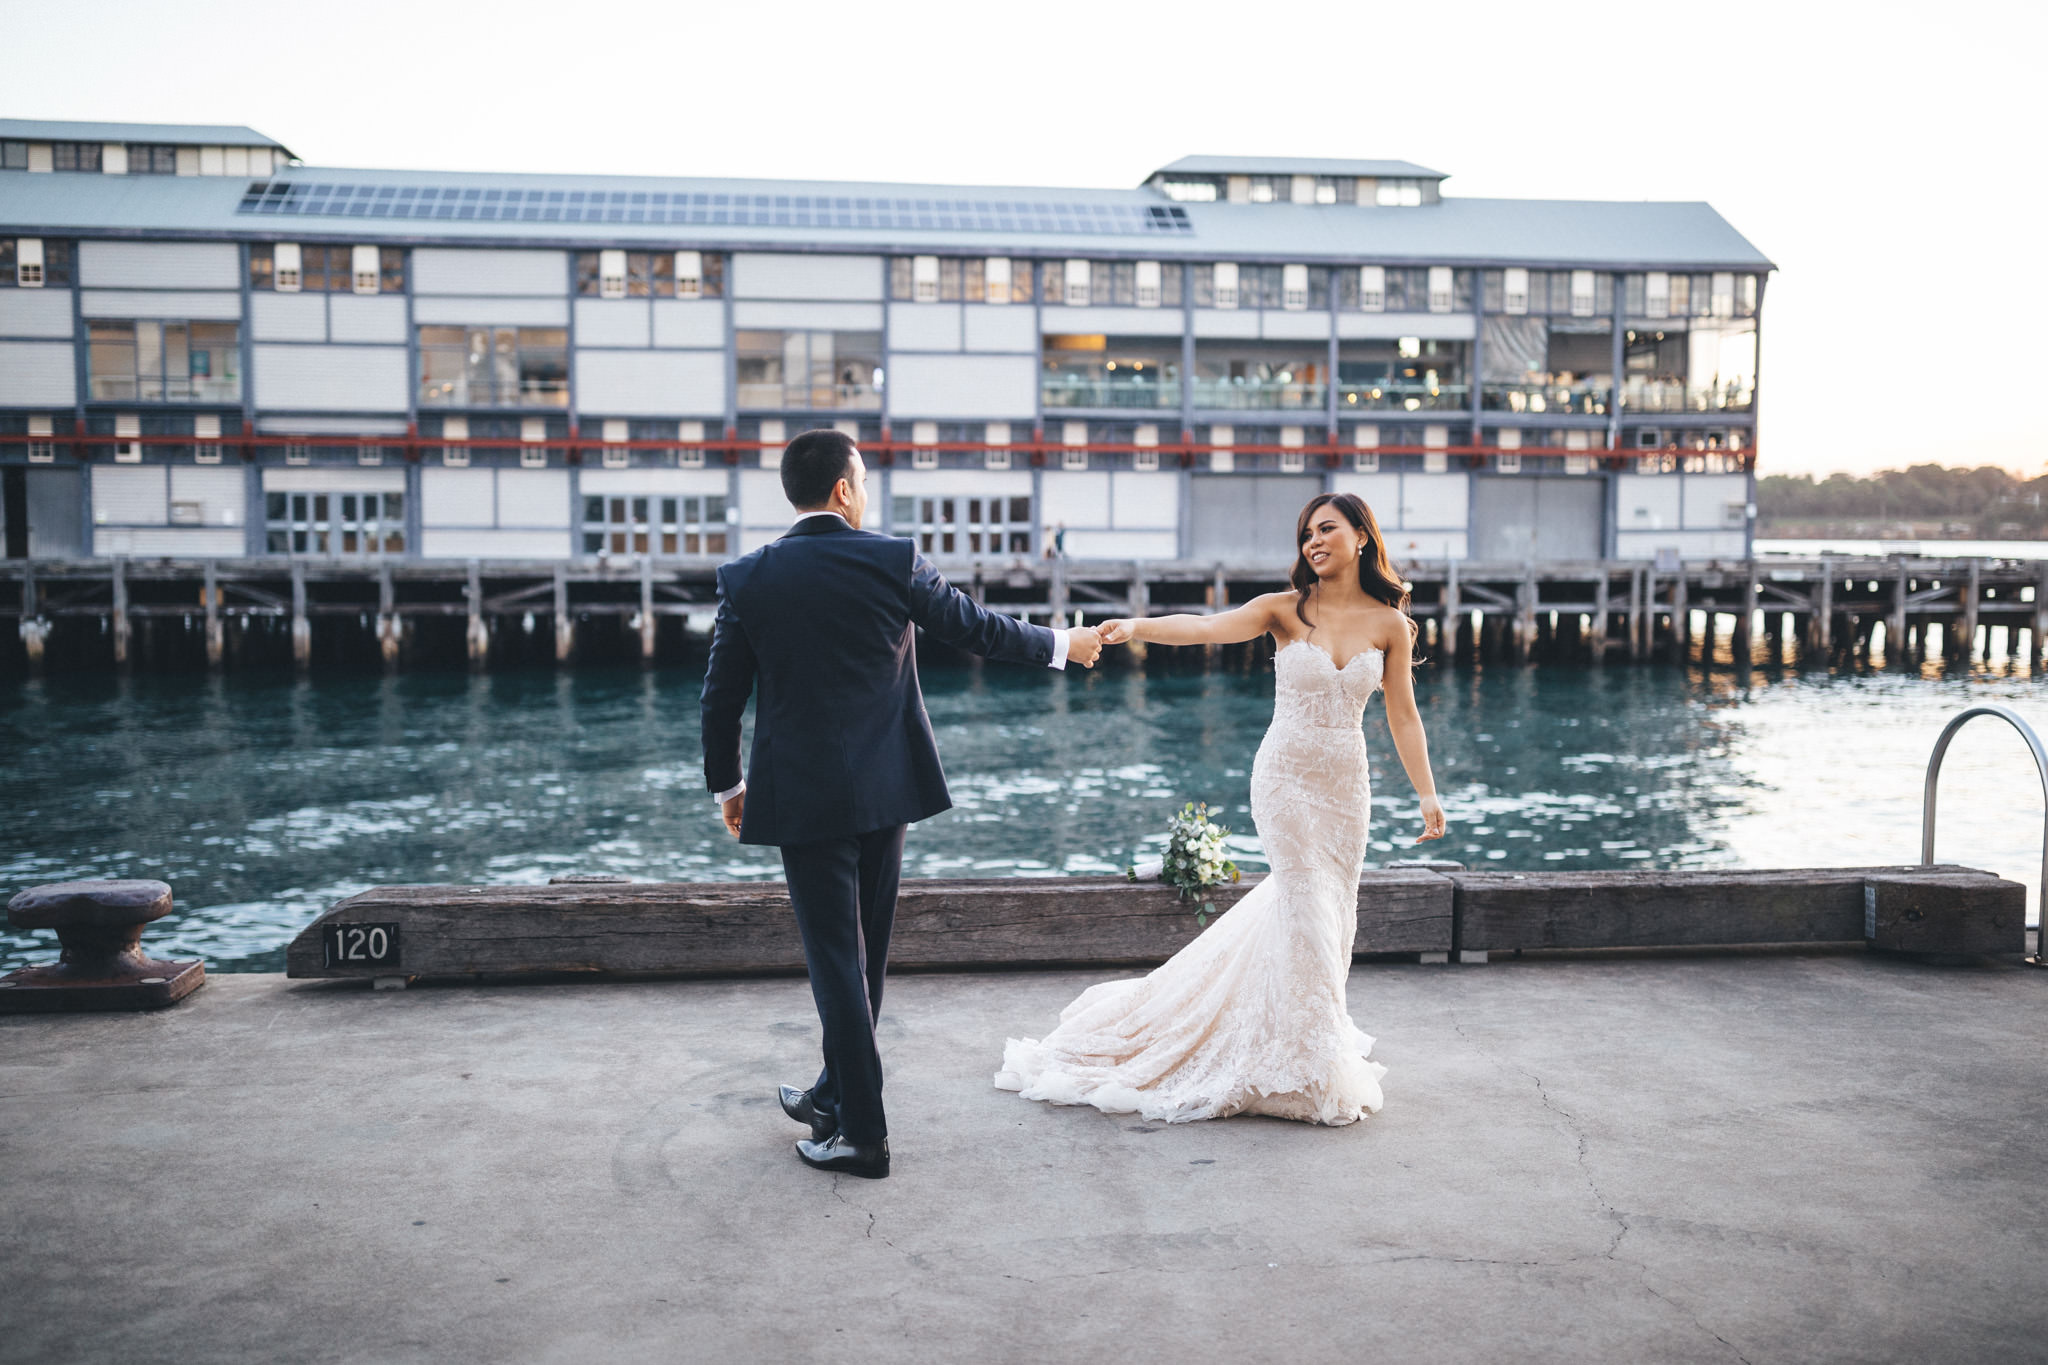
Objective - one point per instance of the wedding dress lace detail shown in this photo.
(1249, 1018)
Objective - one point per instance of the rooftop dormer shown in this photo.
(138, 148)
(1297, 180)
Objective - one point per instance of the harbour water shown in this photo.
(263, 798)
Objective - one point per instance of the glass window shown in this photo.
(334, 525)
(964, 524)
(391, 262)
(809, 370)
(494, 366)
(161, 361)
(654, 524)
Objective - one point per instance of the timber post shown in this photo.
(209, 593)
(302, 625)
(565, 626)
(1824, 611)
(1525, 613)
(479, 636)
(1895, 651)
(34, 629)
(1447, 637)
(121, 626)
(1745, 621)
(1681, 619)
(1635, 613)
(1970, 595)
(1601, 589)
(646, 609)
(1057, 591)
(2040, 618)
(1141, 605)
(387, 616)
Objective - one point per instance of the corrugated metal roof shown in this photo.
(184, 134)
(1542, 233)
(1298, 165)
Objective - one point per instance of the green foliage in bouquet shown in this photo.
(1195, 862)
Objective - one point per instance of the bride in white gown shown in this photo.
(1250, 1018)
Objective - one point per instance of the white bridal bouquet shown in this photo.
(1195, 862)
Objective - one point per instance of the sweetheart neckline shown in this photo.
(1369, 649)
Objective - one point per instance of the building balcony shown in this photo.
(771, 397)
(528, 393)
(1072, 391)
(1260, 395)
(198, 389)
(1402, 395)
(1655, 395)
(1584, 396)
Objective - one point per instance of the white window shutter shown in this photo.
(1509, 438)
(1147, 434)
(1515, 290)
(995, 274)
(1579, 439)
(1657, 294)
(847, 427)
(114, 158)
(689, 431)
(692, 432)
(1372, 288)
(616, 429)
(1436, 436)
(1582, 293)
(212, 161)
(1077, 284)
(1222, 459)
(1442, 284)
(188, 160)
(689, 274)
(286, 260)
(1226, 284)
(772, 436)
(1294, 287)
(127, 426)
(1724, 294)
(1148, 284)
(1238, 189)
(611, 274)
(1074, 434)
(1303, 189)
(1365, 434)
(28, 262)
(40, 157)
(206, 426)
(364, 267)
(924, 433)
(234, 161)
(996, 434)
(924, 278)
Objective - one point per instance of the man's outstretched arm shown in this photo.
(949, 615)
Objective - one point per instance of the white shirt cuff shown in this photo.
(722, 797)
(1059, 648)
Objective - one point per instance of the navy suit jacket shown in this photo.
(821, 623)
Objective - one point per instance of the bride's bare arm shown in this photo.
(1398, 686)
(1232, 627)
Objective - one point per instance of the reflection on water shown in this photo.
(264, 800)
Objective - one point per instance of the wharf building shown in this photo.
(211, 350)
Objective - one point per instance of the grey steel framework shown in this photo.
(209, 349)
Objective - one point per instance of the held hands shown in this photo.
(1084, 646)
(1118, 632)
(1432, 820)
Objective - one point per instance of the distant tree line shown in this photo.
(1986, 502)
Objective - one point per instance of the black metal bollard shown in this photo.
(103, 967)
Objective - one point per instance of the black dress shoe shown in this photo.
(868, 1160)
(797, 1104)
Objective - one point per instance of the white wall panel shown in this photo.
(137, 495)
(795, 275)
(1148, 501)
(1646, 502)
(159, 265)
(458, 497)
(924, 326)
(1000, 327)
(689, 322)
(350, 318)
(1225, 322)
(823, 317)
(1689, 544)
(440, 270)
(35, 313)
(649, 383)
(471, 310)
(754, 538)
(700, 482)
(987, 483)
(37, 373)
(972, 386)
(1078, 499)
(1382, 326)
(454, 544)
(218, 489)
(613, 322)
(1707, 498)
(533, 497)
(337, 378)
(1443, 544)
(1120, 545)
(762, 503)
(178, 542)
(333, 479)
(1435, 501)
(1059, 321)
(1382, 493)
(212, 305)
(288, 317)
(1297, 326)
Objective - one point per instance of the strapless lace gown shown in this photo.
(1249, 1018)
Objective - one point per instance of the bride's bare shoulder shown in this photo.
(1391, 629)
(1278, 610)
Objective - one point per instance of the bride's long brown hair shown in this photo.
(1375, 571)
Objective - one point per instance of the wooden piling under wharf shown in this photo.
(122, 613)
(736, 928)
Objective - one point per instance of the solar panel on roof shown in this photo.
(755, 210)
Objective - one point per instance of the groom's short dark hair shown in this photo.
(813, 464)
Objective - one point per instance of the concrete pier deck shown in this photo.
(1767, 1156)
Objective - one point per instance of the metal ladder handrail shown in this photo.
(2013, 718)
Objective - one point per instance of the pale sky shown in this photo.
(1886, 156)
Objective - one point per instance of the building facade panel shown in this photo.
(1714, 502)
(189, 542)
(963, 386)
(131, 495)
(823, 317)
(701, 482)
(1647, 502)
(1283, 326)
(288, 317)
(374, 319)
(689, 323)
(1688, 544)
(650, 383)
(1225, 322)
(1381, 492)
(1165, 322)
(764, 512)
(1085, 544)
(1002, 327)
(213, 493)
(159, 265)
(1388, 326)
(533, 498)
(924, 326)
(799, 275)
(469, 544)
(35, 313)
(1002, 483)
(446, 270)
(56, 506)
(1144, 501)
(613, 322)
(332, 479)
(472, 310)
(203, 304)
(332, 378)
(458, 497)
(38, 373)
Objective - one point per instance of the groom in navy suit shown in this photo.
(821, 625)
